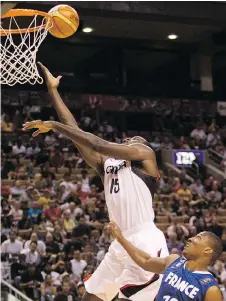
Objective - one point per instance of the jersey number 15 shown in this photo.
(114, 186)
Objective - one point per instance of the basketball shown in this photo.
(65, 21)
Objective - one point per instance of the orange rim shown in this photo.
(24, 13)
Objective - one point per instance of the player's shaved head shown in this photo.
(136, 139)
(215, 243)
(204, 245)
(146, 143)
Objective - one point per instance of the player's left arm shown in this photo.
(213, 294)
(136, 152)
(145, 261)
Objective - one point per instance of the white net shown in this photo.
(18, 52)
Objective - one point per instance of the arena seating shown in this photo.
(34, 184)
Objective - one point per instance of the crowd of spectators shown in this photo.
(53, 211)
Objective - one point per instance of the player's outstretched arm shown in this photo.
(213, 293)
(144, 260)
(92, 158)
(52, 84)
(136, 152)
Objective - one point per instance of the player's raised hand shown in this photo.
(51, 81)
(42, 126)
(116, 232)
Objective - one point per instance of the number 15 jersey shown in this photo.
(129, 194)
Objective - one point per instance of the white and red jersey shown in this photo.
(129, 194)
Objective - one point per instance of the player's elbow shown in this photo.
(155, 267)
(135, 155)
(102, 147)
(70, 122)
(147, 267)
(144, 264)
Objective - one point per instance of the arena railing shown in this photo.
(215, 157)
(10, 293)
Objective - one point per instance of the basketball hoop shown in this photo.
(19, 46)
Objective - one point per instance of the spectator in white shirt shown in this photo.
(223, 289)
(214, 196)
(77, 265)
(32, 150)
(41, 247)
(86, 120)
(12, 245)
(19, 149)
(198, 133)
(219, 270)
(212, 138)
(156, 143)
(66, 186)
(50, 139)
(85, 181)
(16, 212)
(197, 188)
(106, 237)
(74, 209)
(109, 129)
(28, 195)
(31, 254)
(17, 189)
(101, 253)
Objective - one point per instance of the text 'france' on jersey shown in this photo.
(180, 284)
(128, 193)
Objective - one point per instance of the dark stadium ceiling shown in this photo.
(192, 21)
(136, 31)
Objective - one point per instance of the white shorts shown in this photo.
(118, 273)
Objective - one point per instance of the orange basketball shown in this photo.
(65, 21)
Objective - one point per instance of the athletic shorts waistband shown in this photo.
(138, 228)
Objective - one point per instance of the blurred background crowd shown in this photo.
(151, 68)
(53, 209)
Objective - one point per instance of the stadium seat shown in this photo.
(62, 170)
(221, 219)
(162, 219)
(25, 162)
(221, 212)
(8, 182)
(74, 177)
(178, 219)
(52, 169)
(163, 227)
(24, 183)
(59, 176)
(37, 169)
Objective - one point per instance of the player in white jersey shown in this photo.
(129, 173)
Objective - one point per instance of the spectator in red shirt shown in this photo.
(16, 212)
(5, 190)
(82, 195)
(57, 159)
(93, 191)
(176, 184)
(209, 182)
(53, 212)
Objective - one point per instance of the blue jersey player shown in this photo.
(185, 278)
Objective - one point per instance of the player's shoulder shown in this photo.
(141, 146)
(174, 259)
(146, 151)
(213, 293)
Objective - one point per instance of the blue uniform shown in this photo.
(180, 284)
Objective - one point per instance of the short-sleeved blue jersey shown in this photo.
(180, 284)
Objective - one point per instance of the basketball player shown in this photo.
(129, 173)
(185, 278)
